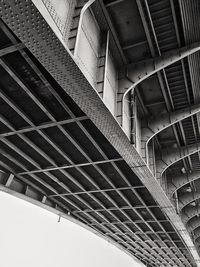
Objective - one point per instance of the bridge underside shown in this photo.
(64, 148)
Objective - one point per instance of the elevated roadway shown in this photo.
(99, 119)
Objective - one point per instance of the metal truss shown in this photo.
(63, 196)
(72, 166)
(170, 102)
(87, 207)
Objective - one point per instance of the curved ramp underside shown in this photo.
(61, 148)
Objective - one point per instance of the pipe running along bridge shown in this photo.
(99, 119)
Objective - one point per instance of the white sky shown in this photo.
(32, 237)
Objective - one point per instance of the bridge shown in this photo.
(99, 119)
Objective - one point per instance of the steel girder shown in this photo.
(136, 73)
(196, 241)
(172, 155)
(38, 37)
(144, 69)
(196, 234)
(194, 224)
(11, 49)
(190, 212)
(188, 198)
(179, 181)
(158, 124)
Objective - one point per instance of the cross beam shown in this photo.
(42, 126)
(115, 2)
(114, 209)
(11, 49)
(71, 166)
(98, 191)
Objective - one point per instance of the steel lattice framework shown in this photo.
(64, 148)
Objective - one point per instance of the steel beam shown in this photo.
(128, 208)
(71, 166)
(58, 62)
(135, 44)
(11, 49)
(163, 121)
(142, 70)
(172, 155)
(42, 126)
(24, 116)
(194, 224)
(136, 73)
(178, 181)
(100, 191)
(196, 234)
(9, 180)
(188, 198)
(114, 2)
(64, 187)
(190, 212)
